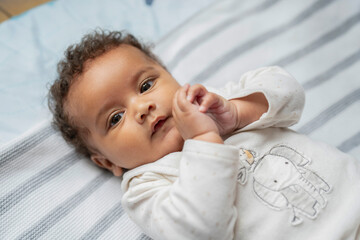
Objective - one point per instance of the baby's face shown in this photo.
(124, 99)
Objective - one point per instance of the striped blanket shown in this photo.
(316, 41)
(50, 192)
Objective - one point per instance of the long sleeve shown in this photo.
(284, 94)
(199, 204)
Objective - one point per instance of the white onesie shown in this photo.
(265, 182)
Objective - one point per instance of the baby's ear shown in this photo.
(103, 162)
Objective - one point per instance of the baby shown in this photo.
(200, 163)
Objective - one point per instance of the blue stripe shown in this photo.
(62, 210)
(326, 115)
(332, 71)
(252, 43)
(143, 237)
(215, 31)
(104, 223)
(321, 41)
(350, 143)
(19, 193)
(15, 150)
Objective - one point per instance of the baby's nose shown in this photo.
(144, 110)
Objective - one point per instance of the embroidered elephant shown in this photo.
(281, 181)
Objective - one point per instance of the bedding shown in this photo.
(50, 192)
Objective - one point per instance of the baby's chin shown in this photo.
(167, 147)
(174, 142)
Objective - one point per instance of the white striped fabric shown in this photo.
(317, 41)
(49, 192)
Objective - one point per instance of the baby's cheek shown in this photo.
(174, 141)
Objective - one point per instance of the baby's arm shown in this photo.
(199, 204)
(284, 95)
(266, 97)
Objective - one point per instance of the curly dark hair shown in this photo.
(90, 47)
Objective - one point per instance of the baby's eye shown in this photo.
(116, 118)
(146, 85)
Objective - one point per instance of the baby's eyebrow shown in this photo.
(105, 106)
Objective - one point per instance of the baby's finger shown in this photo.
(210, 99)
(180, 97)
(196, 91)
(184, 90)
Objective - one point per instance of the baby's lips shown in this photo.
(154, 124)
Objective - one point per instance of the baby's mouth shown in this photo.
(158, 124)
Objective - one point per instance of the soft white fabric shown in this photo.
(224, 191)
(296, 189)
(284, 94)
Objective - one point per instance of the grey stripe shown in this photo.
(235, 52)
(104, 223)
(321, 41)
(19, 193)
(184, 23)
(52, 218)
(214, 31)
(143, 237)
(330, 112)
(16, 150)
(332, 71)
(350, 143)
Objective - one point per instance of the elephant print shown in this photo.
(281, 181)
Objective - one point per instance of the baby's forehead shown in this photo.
(122, 53)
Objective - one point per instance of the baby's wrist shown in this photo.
(238, 123)
(209, 137)
(250, 108)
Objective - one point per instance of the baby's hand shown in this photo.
(192, 123)
(223, 112)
